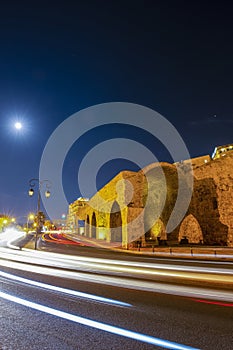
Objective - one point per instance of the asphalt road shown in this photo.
(195, 322)
(60, 307)
(177, 319)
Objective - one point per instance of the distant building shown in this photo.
(73, 221)
(59, 224)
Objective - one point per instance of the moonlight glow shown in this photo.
(18, 125)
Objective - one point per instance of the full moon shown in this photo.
(18, 125)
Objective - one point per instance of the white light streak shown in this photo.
(11, 235)
(161, 288)
(97, 325)
(80, 264)
(63, 290)
(152, 266)
(128, 268)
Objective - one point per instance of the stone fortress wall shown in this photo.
(136, 206)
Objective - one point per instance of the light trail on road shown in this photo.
(63, 290)
(124, 268)
(164, 288)
(42, 280)
(98, 325)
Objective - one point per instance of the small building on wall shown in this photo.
(221, 151)
(136, 206)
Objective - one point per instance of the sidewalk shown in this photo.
(192, 252)
(195, 252)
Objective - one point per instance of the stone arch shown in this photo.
(190, 230)
(157, 232)
(93, 225)
(116, 223)
(87, 226)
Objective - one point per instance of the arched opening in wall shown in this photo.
(190, 231)
(87, 226)
(157, 234)
(93, 226)
(116, 223)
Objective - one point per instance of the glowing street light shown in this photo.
(4, 224)
(32, 184)
(31, 217)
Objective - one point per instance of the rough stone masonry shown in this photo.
(120, 212)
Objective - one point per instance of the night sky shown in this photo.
(59, 57)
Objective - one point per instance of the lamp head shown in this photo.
(47, 194)
(31, 192)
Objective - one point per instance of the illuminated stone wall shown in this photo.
(215, 187)
(141, 211)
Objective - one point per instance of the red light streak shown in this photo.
(213, 302)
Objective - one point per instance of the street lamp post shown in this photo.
(30, 217)
(32, 183)
(5, 222)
